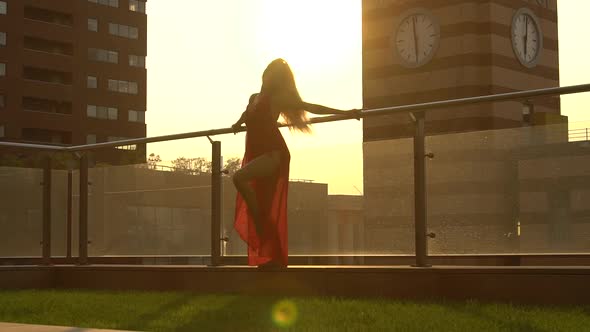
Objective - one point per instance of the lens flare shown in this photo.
(284, 313)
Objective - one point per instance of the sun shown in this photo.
(309, 34)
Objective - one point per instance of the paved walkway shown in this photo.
(12, 327)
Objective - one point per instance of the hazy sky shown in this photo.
(205, 58)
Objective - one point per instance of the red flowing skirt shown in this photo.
(271, 195)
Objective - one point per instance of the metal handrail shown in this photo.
(580, 133)
(417, 112)
(34, 146)
(429, 106)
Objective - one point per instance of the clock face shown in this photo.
(527, 38)
(416, 39)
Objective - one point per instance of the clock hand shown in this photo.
(526, 34)
(415, 38)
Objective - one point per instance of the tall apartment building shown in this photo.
(73, 72)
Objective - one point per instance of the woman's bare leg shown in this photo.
(265, 165)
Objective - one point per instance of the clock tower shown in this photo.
(418, 51)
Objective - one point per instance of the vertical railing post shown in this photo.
(46, 243)
(83, 210)
(420, 190)
(69, 216)
(216, 211)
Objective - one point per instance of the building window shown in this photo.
(123, 87)
(101, 112)
(113, 113)
(122, 147)
(113, 57)
(47, 75)
(137, 61)
(3, 9)
(2, 38)
(92, 82)
(2, 69)
(91, 111)
(91, 139)
(48, 46)
(136, 116)
(113, 85)
(133, 89)
(137, 6)
(33, 104)
(93, 24)
(132, 116)
(48, 16)
(100, 55)
(1, 130)
(122, 30)
(111, 3)
(133, 33)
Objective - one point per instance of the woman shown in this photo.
(262, 182)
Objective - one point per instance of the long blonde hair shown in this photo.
(282, 83)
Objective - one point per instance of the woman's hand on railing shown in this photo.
(236, 127)
(357, 113)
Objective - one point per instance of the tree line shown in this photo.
(197, 165)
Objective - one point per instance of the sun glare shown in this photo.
(321, 41)
(228, 45)
(309, 34)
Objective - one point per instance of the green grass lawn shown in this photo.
(151, 311)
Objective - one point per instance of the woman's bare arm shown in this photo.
(244, 115)
(322, 110)
(287, 102)
(242, 119)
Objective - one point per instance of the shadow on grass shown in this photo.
(143, 321)
(477, 311)
(243, 313)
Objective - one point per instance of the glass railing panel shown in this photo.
(59, 212)
(161, 206)
(507, 191)
(389, 197)
(21, 212)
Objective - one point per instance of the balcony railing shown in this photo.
(582, 134)
(523, 167)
